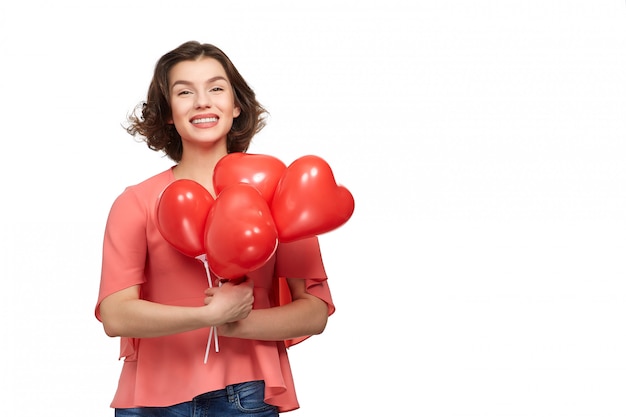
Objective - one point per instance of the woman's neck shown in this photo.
(199, 166)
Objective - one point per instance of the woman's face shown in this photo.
(202, 101)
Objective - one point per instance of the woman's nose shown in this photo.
(203, 99)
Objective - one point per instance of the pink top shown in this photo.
(168, 370)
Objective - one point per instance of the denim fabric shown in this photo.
(245, 399)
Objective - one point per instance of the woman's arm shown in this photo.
(306, 315)
(124, 314)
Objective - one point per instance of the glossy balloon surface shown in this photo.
(181, 215)
(240, 232)
(308, 201)
(261, 171)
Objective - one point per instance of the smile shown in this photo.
(205, 120)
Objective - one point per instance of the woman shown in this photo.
(157, 300)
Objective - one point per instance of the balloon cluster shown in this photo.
(260, 202)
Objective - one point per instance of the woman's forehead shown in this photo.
(199, 70)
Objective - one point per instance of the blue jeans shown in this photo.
(245, 399)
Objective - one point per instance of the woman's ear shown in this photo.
(236, 112)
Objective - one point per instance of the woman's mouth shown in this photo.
(204, 120)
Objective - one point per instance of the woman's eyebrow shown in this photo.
(210, 80)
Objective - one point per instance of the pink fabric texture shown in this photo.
(169, 370)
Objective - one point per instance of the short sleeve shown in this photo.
(124, 248)
(302, 259)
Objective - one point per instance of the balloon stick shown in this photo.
(213, 331)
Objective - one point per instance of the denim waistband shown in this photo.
(229, 390)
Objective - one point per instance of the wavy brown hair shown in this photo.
(151, 118)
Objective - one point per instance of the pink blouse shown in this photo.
(168, 370)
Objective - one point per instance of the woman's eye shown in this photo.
(184, 92)
(216, 89)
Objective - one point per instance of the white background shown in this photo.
(482, 273)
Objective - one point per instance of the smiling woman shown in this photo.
(156, 299)
(155, 122)
(203, 110)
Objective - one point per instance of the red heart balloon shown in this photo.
(240, 232)
(181, 213)
(308, 201)
(261, 171)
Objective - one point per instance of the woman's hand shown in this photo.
(305, 315)
(230, 302)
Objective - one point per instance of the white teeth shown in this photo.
(205, 120)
